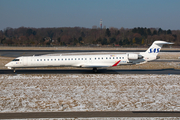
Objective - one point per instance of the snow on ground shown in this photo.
(94, 92)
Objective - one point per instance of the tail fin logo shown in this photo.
(154, 50)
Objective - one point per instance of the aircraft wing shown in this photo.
(99, 65)
(94, 66)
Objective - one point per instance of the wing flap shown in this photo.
(94, 66)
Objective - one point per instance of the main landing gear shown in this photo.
(95, 70)
(14, 70)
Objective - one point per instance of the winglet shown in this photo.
(116, 63)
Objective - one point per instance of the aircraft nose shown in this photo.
(7, 64)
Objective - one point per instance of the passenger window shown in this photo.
(85, 58)
(81, 58)
(47, 59)
(51, 59)
(109, 57)
(116, 57)
(75, 58)
(41, 59)
(58, 59)
(119, 57)
(106, 57)
(78, 58)
(44, 59)
(113, 57)
(71, 58)
(98, 58)
(102, 57)
(122, 57)
(62, 59)
(89, 58)
(37, 59)
(54, 59)
(95, 58)
(65, 59)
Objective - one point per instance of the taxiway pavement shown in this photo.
(89, 114)
(89, 71)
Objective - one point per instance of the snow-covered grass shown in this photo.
(169, 55)
(102, 92)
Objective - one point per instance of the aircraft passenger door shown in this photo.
(25, 61)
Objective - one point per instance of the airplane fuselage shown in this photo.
(87, 61)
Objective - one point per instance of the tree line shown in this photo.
(77, 36)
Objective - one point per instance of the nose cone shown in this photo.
(8, 65)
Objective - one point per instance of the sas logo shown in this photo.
(154, 50)
(113, 55)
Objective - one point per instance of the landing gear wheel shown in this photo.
(14, 70)
(95, 70)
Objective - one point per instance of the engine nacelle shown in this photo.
(133, 56)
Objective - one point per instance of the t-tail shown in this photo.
(154, 49)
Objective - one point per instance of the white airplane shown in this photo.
(88, 61)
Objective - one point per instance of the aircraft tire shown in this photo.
(95, 70)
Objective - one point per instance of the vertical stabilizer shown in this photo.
(154, 49)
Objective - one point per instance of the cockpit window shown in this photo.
(15, 60)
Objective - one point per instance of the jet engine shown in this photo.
(133, 56)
